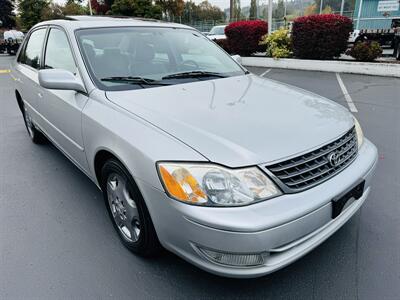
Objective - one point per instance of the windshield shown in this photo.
(144, 57)
(220, 30)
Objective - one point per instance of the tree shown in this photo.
(207, 11)
(279, 11)
(7, 16)
(327, 10)
(237, 11)
(31, 11)
(74, 8)
(136, 8)
(171, 8)
(51, 12)
(253, 10)
(310, 10)
(204, 11)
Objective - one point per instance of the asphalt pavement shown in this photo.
(57, 242)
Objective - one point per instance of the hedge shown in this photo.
(365, 51)
(320, 36)
(244, 36)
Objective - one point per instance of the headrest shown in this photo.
(112, 52)
(144, 52)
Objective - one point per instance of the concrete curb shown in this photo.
(377, 69)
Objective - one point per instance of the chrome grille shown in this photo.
(312, 168)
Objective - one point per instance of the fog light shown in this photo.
(234, 259)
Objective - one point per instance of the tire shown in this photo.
(35, 135)
(127, 210)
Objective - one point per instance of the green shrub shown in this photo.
(365, 51)
(278, 44)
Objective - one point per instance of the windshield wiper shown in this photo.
(134, 80)
(194, 74)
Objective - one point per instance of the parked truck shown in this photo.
(377, 20)
(12, 40)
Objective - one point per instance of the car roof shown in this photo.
(77, 22)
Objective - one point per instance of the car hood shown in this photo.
(239, 121)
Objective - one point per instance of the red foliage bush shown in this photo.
(320, 36)
(243, 36)
(100, 7)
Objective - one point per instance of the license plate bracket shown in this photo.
(339, 202)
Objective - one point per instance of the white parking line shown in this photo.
(346, 95)
(264, 73)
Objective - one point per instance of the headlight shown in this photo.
(360, 135)
(213, 185)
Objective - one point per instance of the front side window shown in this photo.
(143, 57)
(58, 52)
(33, 50)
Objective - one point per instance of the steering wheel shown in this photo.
(190, 63)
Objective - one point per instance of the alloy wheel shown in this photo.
(123, 207)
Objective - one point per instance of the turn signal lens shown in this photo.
(182, 185)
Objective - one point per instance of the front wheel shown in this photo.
(128, 210)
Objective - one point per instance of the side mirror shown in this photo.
(237, 58)
(58, 79)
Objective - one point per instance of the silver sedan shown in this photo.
(236, 174)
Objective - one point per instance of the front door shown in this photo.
(62, 109)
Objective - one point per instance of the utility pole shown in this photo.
(90, 7)
(285, 8)
(320, 7)
(258, 8)
(269, 16)
(342, 8)
(231, 10)
(359, 15)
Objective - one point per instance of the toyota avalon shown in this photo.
(237, 174)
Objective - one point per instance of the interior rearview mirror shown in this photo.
(58, 79)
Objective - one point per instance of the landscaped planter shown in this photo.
(353, 67)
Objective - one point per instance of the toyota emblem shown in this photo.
(333, 159)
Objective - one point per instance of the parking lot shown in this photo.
(56, 240)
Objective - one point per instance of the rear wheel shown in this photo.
(398, 51)
(36, 136)
(128, 210)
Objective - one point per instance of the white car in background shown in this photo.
(353, 37)
(217, 33)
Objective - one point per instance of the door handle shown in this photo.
(40, 95)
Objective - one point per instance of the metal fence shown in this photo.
(206, 25)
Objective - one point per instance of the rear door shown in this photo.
(27, 68)
(62, 109)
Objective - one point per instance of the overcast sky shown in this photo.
(220, 3)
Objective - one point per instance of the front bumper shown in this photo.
(285, 228)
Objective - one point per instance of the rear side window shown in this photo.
(58, 52)
(31, 55)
